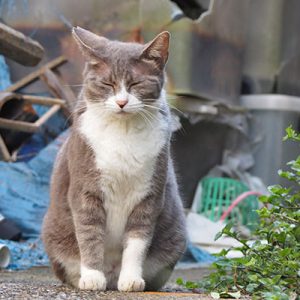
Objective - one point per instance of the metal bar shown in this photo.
(56, 85)
(47, 101)
(18, 125)
(36, 74)
(4, 151)
(46, 116)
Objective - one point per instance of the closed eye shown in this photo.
(134, 83)
(107, 84)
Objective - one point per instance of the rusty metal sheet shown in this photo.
(206, 57)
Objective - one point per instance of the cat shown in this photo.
(115, 219)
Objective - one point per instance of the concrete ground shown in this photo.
(39, 283)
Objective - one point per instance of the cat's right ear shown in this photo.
(89, 44)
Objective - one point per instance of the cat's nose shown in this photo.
(122, 103)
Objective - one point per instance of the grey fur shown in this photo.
(74, 226)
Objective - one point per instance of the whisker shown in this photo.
(75, 85)
(155, 107)
(151, 116)
(169, 98)
(143, 115)
(175, 108)
(149, 100)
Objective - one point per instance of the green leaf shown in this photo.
(275, 279)
(223, 252)
(264, 212)
(291, 134)
(251, 262)
(191, 285)
(253, 277)
(288, 175)
(251, 287)
(264, 199)
(269, 267)
(179, 281)
(218, 235)
(285, 252)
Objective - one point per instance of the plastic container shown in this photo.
(219, 193)
(271, 114)
(4, 256)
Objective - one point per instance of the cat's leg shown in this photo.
(162, 258)
(130, 279)
(138, 235)
(139, 231)
(167, 245)
(61, 245)
(68, 271)
(156, 272)
(89, 220)
(151, 273)
(59, 271)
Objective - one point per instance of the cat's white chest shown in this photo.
(126, 158)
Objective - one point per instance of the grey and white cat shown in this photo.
(115, 219)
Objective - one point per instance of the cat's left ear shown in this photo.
(158, 49)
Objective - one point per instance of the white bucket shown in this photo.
(4, 256)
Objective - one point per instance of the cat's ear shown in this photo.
(158, 49)
(89, 43)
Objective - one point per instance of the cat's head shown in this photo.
(122, 78)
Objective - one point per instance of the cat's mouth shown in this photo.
(123, 112)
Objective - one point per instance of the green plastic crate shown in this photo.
(217, 194)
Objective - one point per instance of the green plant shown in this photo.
(270, 266)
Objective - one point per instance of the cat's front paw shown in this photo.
(131, 284)
(92, 280)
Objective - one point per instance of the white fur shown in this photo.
(132, 266)
(126, 149)
(123, 95)
(91, 279)
(131, 284)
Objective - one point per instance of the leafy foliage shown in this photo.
(270, 266)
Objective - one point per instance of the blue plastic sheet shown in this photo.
(26, 254)
(4, 74)
(46, 134)
(24, 189)
(24, 186)
(194, 254)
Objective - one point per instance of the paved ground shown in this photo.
(39, 283)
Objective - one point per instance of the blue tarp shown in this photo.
(24, 189)
(4, 74)
(24, 194)
(24, 186)
(194, 254)
(27, 254)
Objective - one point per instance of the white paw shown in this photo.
(131, 284)
(92, 280)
